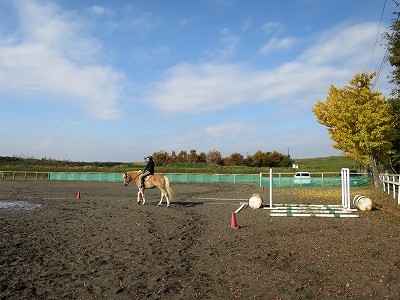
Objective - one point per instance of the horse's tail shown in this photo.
(170, 192)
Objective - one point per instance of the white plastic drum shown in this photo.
(255, 201)
(362, 203)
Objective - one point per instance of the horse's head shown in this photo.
(127, 179)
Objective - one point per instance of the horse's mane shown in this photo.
(133, 174)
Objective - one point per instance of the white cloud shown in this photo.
(275, 44)
(151, 54)
(228, 43)
(48, 54)
(205, 87)
(210, 87)
(199, 88)
(274, 28)
(100, 10)
(353, 43)
(229, 129)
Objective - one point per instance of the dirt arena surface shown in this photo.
(105, 246)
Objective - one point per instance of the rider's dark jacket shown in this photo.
(149, 167)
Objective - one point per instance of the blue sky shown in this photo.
(119, 80)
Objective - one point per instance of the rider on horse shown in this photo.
(148, 170)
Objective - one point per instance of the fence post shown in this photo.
(398, 193)
(383, 182)
(388, 184)
(270, 188)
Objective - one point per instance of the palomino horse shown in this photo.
(151, 182)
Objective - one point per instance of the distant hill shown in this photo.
(330, 163)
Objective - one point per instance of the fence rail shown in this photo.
(391, 185)
(14, 175)
(280, 180)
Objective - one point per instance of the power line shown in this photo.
(386, 52)
(377, 35)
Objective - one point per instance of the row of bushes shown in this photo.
(258, 159)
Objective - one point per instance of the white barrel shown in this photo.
(362, 203)
(255, 201)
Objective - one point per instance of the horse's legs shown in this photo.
(140, 193)
(164, 194)
(144, 199)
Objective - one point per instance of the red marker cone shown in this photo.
(233, 221)
(78, 195)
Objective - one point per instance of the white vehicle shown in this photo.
(302, 178)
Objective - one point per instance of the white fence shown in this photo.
(391, 185)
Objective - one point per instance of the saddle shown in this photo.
(143, 185)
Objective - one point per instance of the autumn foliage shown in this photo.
(359, 121)
(258, 159)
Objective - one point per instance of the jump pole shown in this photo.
(304, 210)
(345, 176)
(270, 188)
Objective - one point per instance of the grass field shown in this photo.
(321, 164)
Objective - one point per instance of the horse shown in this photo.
(151, 181)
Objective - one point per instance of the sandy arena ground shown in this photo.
(107, 246)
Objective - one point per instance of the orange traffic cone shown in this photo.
(233, 221)
(78, 195)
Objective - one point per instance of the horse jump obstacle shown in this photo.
(315, 210)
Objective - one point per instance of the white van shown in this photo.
(302, 178)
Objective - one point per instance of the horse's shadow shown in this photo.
(188, 204)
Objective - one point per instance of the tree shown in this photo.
(161, 158)
(248, 160)
(173, 156)
(286, 162)
(258, 159)
(235, 159)
(393, 58)
(359, 122)
(214, 157)
(192, 157)
(202, 157)
(273, 159)
(395, 157)
(182, 157)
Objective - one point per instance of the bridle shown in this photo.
(126, 180)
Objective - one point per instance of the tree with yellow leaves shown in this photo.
(359, 122)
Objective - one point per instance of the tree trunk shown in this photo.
(375, 174)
